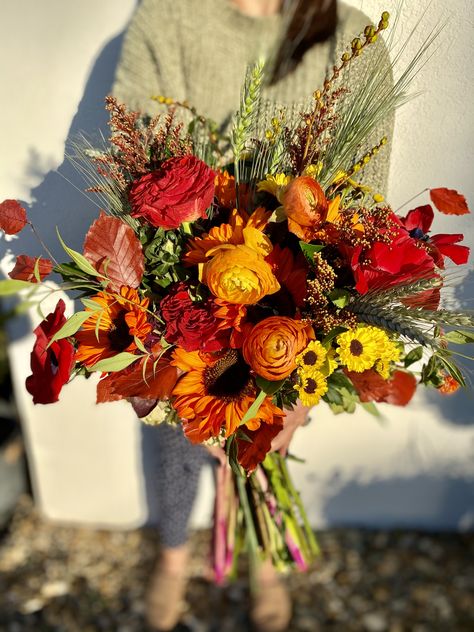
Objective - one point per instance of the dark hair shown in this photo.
(309, 22)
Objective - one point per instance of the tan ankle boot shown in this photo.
(164, 598)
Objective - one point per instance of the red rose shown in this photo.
(180, 191)
(51, 366)
(190, 325)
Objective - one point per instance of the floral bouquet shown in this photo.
(228, 278)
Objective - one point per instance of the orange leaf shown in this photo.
(24, 269)
(251, 453)
(12, 217)
(115, 251)
(449, 202)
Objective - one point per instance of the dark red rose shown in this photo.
(180, 191)
(51, 366)
(190, 325)
(418, 223)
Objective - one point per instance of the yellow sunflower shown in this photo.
(359, 348)
(313, 356)
(312, 386)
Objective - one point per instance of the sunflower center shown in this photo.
(356, 347)
(311, 386)
(119, 333)
(228, 378)
(310, 358)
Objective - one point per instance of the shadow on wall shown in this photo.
(60, 199)
(420, 501)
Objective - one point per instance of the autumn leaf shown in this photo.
(12, 217)
(154, 381)
(449, 202)
(30, 269)
(371, 387)
(252, 448)
(115, 251)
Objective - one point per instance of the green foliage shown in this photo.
(309, 250)
(341, 394)
(163, 251)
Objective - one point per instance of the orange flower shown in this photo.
(214, 395)
(238, 274)
(111, 329)
(273, 344)
(231, 233)
(449, 385)
(305, 205)
(231, 316)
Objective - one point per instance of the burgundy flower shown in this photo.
(418, 223)
(51, 366)
(190, 325)
(180, 191)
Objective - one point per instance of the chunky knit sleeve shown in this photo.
(151, 61)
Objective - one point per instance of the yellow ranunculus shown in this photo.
(238, 274)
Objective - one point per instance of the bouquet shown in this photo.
(228, 278)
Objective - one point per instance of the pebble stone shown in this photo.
(56, 578)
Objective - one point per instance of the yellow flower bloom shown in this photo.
(313, 170)
(275, 185)
(312, 386)
(359, 348)
(313, 356)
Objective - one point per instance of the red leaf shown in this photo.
(371, 387)
(115, 251)
(155, 383)
(24, 269)
(12, 217)
(449, 201)
(251, 453)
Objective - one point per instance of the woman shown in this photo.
(198, 51)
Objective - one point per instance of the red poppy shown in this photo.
(418, 223)
(51, 366)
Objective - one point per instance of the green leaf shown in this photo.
(452, 369)
(92, 305)
(36, 271)
(340, 297)
(333, 334)
(459, 337)
(371, 408)
(12, 286)
(116, 363)
(413, 356)
(254, 408)
(70, 327)
(80, 260)
(309, 250)
(269, 387)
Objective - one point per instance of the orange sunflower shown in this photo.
(215, 394)
(113, 326)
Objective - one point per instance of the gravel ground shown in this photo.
(63, 579)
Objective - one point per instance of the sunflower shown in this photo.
(359, 348)
(113, 326)
(313, 356)
(214, 394)
(312, 386)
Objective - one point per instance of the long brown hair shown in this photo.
(309, 22)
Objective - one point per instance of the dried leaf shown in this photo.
(115, 251)
(449, 201)
(252, 449)
(25, 267)
(12, 217)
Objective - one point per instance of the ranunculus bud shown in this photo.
(305, 205)
(179, 191)
(273, 344)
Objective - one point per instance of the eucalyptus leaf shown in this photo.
(12, 286)
(70, 327)
(81, 262)
(116, 363)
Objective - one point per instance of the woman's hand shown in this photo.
(293, 420)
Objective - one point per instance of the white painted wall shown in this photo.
(415, 469)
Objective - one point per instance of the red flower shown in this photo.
(371, 387)
(291, 272)
(180, 191)
(418, 223)
(384, 265)
(190, 325)
(51, 366)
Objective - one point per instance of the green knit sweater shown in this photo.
(198, 50)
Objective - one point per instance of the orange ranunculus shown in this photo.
(273, 344)
(305, 206)
(239, 274)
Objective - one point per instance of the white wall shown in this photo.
(415, 469)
